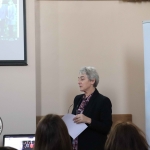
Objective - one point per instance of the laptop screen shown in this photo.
(19, 141)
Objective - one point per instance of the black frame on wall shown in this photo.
(21, 59)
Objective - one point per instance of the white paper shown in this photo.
(73, 128)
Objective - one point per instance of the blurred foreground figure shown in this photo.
(52, 134)
(126, 136)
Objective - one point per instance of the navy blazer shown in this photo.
(99, 109)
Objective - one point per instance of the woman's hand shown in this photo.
(80, 118)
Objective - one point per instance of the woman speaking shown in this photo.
(91, 108)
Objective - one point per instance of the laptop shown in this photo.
(19, 141)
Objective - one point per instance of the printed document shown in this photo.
(73, 128)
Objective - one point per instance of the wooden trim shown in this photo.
(38, 118)
(121, 117)
(115, 117)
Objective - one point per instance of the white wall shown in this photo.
(65, 36)
(18, 87)
(104, 34)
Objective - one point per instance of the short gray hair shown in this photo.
(91, 74)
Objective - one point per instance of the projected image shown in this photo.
(13, 33)
(9, 19)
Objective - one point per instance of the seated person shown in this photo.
(126, 136)
(52, 134)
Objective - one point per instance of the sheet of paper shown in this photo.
(73, 128)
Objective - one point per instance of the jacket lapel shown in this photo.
(91, 102)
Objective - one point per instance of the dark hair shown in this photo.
(52, 134)
(126, 136)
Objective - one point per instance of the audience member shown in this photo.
(52, 134)
(126, 136)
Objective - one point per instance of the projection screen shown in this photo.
(12, 32)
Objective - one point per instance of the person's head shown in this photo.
(126, 136)
(52, 134)
(88, 77)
